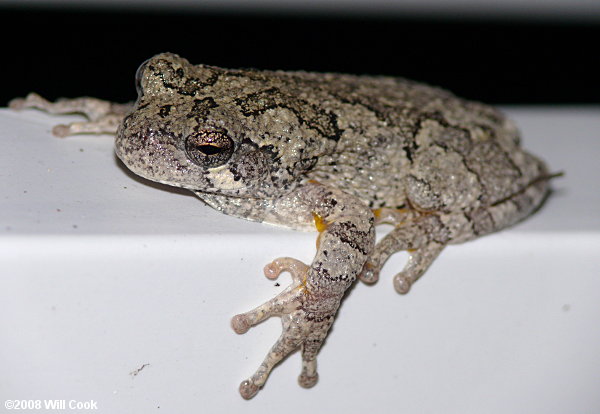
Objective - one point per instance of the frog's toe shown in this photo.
(308, 381)
(17, 104)
(419, 261)
(61, 130)
(402, 283)
(32, 100)
(369, 274)
(240, 324)
(295, 267)
(248, 389)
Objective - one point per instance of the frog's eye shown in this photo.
(138, 77)
(209, 148)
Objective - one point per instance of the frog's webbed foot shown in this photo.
(104, 117)
(424, 237)
(300, 330)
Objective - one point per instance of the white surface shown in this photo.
(101, 273)
(529, 9)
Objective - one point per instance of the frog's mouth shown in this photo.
(150, 155)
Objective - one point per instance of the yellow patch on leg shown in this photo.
(320, 223)
(321, 226)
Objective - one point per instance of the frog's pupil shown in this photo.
(209, 149)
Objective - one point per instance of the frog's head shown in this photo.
(179, 133)
(196, 127)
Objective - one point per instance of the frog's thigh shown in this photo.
(439, 180)
(424, 238)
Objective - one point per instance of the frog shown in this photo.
(334, 153)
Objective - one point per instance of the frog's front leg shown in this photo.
(308, 307)
(104, 117)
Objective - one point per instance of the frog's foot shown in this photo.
(104, 117)
(300, 330)
(423, 239)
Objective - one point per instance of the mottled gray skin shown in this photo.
(338, 153)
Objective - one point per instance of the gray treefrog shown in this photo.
(328, 152)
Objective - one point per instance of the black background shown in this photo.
(95, 52)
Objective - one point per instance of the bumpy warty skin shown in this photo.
(391, 142)
(331, 152)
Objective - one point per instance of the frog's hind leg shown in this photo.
(104, 117)
(423, 237)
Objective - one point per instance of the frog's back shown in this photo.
(392, 142)
(406, 144)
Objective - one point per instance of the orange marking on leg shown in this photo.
(320, 223)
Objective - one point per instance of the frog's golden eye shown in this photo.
(209, 147)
